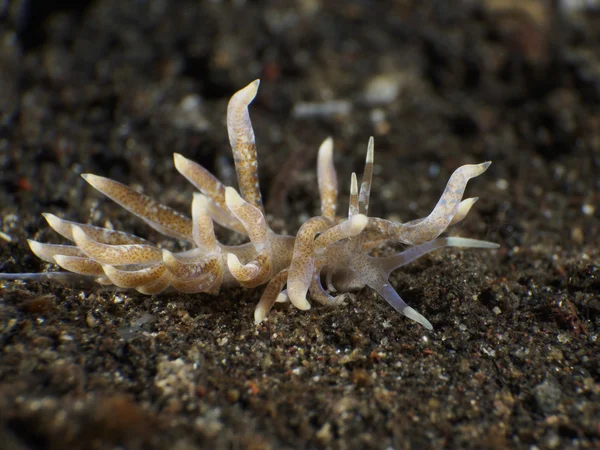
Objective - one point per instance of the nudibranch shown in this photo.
(328, 257)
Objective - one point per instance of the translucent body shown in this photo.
(326, 247)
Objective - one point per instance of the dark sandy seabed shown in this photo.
(114, 87)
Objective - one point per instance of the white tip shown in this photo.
(296, 291)
(354, 225)
(38, 250)
(480, 168)
(111, 273)
(359, 222)
(53, 221)
(326, 148)
(78, 234)
(179, 161)
(414, 315)
(298, 299)
(370, 150)
(200, 205)
(34, 245)
(94, 180)
(302, 304)
(61, 260)
(255, 84)
(282, 297)
(168, 257)
(353, 185)
(248, 93)
(455, 241)
(233, 263)
(232, 198)
(468, 202)
(259, 316)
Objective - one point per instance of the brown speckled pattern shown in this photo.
(164, 219)
(243, 144)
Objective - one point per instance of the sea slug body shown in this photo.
(327, 249)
